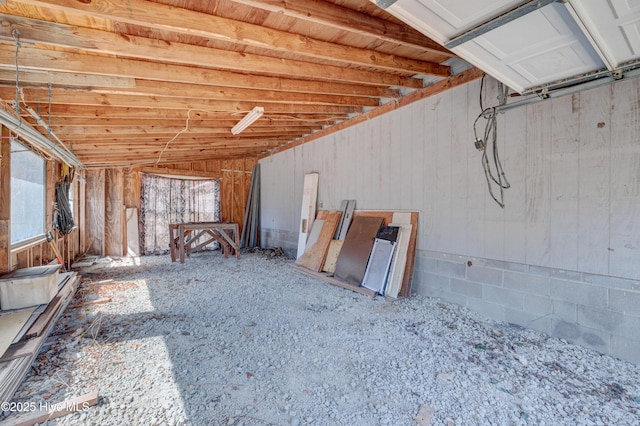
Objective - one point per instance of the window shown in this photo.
(28, 186)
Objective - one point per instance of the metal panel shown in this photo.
(375, 277)
(352, 261)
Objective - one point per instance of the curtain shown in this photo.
(166, 200)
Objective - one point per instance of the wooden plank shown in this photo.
(104, 42)
(313, 257)
(308, 210)
(396, 275)
(332, 256)
(316, 228)
(352, 261)
(334, 281)
(407, 279)
(346, 219)
(133, 241)
(10, 325)
(18, 350)
(167, 18)
(57, 410)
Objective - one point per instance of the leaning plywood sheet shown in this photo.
(352, 261)
(316, 228)
(133, 243)
(10, 325)
(314, 256)
(399, 261)
(332, 256)
(308, 212)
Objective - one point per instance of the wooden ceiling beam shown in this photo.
(135, 47)
(183, 21)
(349, 20)
(31, 58)
(183, 90)
(92, 122)
(68, 132)
(113, 113)
(35, 96)
(65, 79)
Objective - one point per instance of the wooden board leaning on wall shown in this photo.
(387, 218)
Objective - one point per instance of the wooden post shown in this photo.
(5, 204)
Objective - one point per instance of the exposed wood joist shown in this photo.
(157, 81)
(184, 21)
(106, 43)
(340, 18)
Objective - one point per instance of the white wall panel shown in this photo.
(573, 164)
(565, 180)
(594, 190)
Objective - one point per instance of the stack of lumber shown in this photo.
(24, 331)
(339, 249)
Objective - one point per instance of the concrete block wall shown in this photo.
(599, 312)
(561, 257)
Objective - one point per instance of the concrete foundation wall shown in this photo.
(562, 256)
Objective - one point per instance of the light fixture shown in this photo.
(248, 120)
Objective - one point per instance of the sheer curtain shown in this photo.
(166, 200)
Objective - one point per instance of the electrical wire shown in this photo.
(63, 220)
(490, 142)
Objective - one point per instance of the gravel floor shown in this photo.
(223, 341)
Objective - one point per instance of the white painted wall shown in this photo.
(573, 164)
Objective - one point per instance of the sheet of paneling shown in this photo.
(625, 182)
(352, 261)
(594, 190)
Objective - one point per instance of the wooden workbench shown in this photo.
(183, 237)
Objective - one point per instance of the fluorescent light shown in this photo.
(248, 120)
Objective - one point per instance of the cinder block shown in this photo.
(466, 288)
(600, 319)
(451, 269)
(625, 301)
(611, 282)
(455, 298)
(566, 330)
(509, 298)
(489, 310)
(534, 284)
(594, 339)
(629, 327)
(528, 320)
(500, 264)
(431, 285)
(564, 311)
(627, 349)
(579, 293)
(485, 275)
(426, 264)
(538, 305)
(555, 273)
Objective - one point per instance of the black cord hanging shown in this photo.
(490, 142)
(63, 216)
